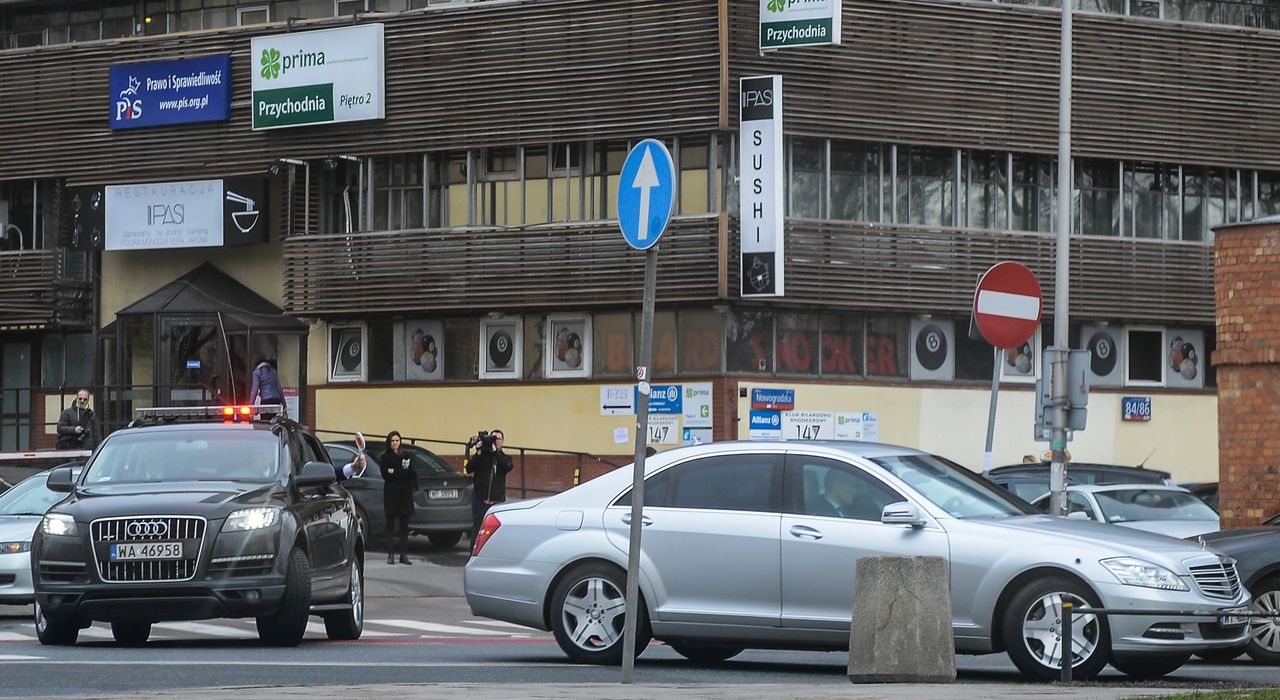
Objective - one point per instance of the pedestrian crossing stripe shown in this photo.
(246, 629)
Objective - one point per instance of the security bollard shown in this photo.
(1066, 641)
(901, 631)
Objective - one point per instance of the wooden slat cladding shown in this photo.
(985, 75)
(896, 268)
(485, 74)
(547, 267)
(28, 297)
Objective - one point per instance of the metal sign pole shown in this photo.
(637, 475)
(991, 415)
(1058, 470)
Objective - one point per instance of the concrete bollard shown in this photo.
(901, 630)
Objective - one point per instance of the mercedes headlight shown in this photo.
(251, 519)
(58, 524)
(14, 547)
(1136, 572)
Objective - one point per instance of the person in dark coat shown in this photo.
(488, 468)
(400, 483)
(265, 388)
(75, 425)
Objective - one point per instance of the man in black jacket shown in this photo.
(488, 467)
(75, 425)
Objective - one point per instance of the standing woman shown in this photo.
(399, 484)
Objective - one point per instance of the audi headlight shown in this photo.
(14, 547)
(1136, 572)
(251, 519)
(58, 524)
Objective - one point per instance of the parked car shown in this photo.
(1257, 554)
(1167, 510)
(1091, 473)
(1028, 487)
(197, 513)
(741, 550)
(442, 509)
(21, 509)
(1207, 492)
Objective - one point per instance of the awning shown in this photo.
(208, 290)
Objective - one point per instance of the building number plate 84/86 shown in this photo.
(146, 550)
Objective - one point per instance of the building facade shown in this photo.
(449, 258)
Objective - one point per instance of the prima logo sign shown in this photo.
(786, 23)
(318, 77)
(274, 63)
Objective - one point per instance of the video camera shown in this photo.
(484, 439)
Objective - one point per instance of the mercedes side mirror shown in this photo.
(315, 474)
(61, 480)
(902, 513)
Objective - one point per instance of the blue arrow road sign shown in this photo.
(646, 193)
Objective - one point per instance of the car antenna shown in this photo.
(1143, 463)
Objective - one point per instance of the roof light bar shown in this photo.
(230, 412)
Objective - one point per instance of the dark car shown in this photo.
(1090, 473)
(1257, 554)
(192, 514)
(1028, 487)
(1207, 492)
(442, 507)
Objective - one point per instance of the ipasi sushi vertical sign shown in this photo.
(320, 77)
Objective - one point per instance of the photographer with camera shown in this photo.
(488, 468)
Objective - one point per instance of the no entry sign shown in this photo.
(1006, 306)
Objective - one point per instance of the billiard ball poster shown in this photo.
(933, 349)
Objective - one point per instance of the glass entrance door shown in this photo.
(15, 396)
(202, 364)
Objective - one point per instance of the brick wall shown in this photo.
(1247, 295)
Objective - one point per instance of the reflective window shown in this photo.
(837, 490)
(856, 174)
(926, 186)
(1097, 199)
(745, 482)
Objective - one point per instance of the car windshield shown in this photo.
(160, 456)
(1134, 505)
(953, 488)
(31, 497)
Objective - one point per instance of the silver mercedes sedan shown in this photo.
(754, 545)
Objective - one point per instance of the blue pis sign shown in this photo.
(159, 93)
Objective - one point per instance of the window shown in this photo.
(926, 186)
(745, 482)
(500, 194)
(1144, 351)
(797, 342)
(1078, 503)
(840, 345)
(749, 341)
(887, 347)
(833, 489)
(347, 346)
(1033, 192)
(568, 350)
(66, 359)
(856, 173)
(986, 190)
(1097, 205)
(695, 180)
(1151, 199)
(380, 351)
(397, 192)
(613, 345)
(461, 347)
(807, 185)
(699, 332)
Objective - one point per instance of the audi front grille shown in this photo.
(143, 529)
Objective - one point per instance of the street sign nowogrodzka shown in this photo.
(1007, 304)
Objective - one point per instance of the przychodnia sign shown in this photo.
(320, 77)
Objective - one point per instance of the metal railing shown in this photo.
(1069, 611)
(580, 458)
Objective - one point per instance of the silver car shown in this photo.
(1168, 510)
(755, 545)
(21, 510)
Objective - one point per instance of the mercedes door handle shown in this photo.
(644, 519)
(805, 532)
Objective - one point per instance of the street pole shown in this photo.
(637, 474)
(991, 414)
(1058, 374)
